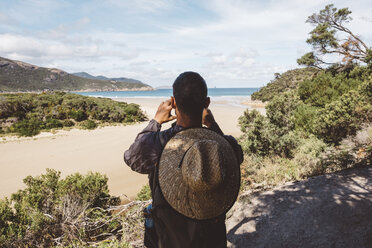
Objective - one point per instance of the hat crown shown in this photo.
(203, 167)
(199, 175)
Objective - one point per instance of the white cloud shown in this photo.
(142, 6)
(232, 43)
(51, 50)
(62, 30)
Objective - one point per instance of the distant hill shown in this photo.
(283, 82)
(17, 76)
(120, 79)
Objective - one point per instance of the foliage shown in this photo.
(353, 151)
(144, 194)
(343, 117)
(283, 82)
(262, 137)
(309, 59)
(89, 124)
(316, 121)
(280, 110)
(54, 211)
(32, 113)
(27, 127)
(326, 87)
(311, 129)
(331, 36)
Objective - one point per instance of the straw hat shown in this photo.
(199, 175)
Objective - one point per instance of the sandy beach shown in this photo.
(98, 150)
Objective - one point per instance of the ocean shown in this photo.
(160, 93)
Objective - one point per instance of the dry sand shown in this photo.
(98, 150)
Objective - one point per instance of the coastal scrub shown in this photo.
(26, 114)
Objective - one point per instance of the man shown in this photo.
(193, 172)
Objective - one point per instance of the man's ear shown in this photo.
(207, 102)
(173, 102)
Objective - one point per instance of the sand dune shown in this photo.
(96, 150)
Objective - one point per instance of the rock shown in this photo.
(332, 210)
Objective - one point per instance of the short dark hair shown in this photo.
(190, 92)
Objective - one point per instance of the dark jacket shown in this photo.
(172, 228)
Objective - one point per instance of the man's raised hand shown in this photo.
(208, 118)
(163, 114)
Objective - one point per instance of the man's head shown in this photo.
(190, 92)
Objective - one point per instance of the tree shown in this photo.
(331, 36)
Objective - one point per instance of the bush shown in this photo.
(51, 211)
(27, 127)
(89, 124)
(304, 118)
(68, 123)
(341, 118)
(264, 136)
(283, 82)
(145, 193)
(78, 115)
(36, 112)
(131, 109)
(52, 123)
(325, 88)
(259, 135)
(280, 110)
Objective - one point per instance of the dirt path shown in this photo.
(332, 210)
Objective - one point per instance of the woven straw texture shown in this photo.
(199, 174)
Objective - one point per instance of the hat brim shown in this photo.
(197, 204)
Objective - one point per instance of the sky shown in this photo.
(231, 43)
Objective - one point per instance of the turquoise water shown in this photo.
(213, 92)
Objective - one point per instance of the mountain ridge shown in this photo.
(19, 76)
(100, 77)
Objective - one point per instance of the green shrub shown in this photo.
(259, 135)
(264, 136)
(280, 109)
(7, 228)
(341, 118)
(27, 127)
(89, 124)
(52, 123)
(305, 118)
(283, 82)
(145, 193)
(78, 115)
(325, 88)
(132, 109)
(45, 111)
(68, 123)
(247, 119)
(69, 210)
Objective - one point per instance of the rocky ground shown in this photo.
(333, 210)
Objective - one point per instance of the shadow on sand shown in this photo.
(326, 211)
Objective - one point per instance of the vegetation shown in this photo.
(305, 130)
(283, 82)
(145, 193)
(331, 36)
(76, 211)
(51, 211)
(27, 114)
(315, 123)
(19, 76)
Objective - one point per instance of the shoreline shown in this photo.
(147, 88)
(101, 150)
